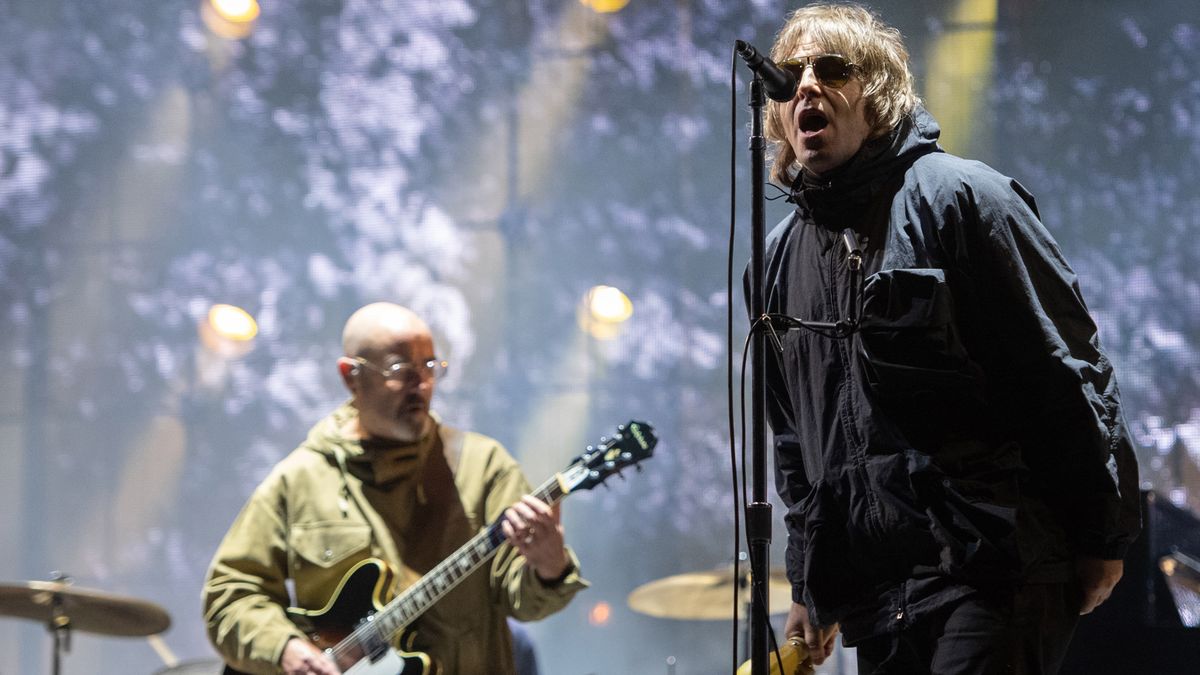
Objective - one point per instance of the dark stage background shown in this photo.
(486, 162)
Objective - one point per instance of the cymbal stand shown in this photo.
(59, 625)
(743, 583)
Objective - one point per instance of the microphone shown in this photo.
(779, 84)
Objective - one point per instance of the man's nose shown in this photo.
(807, 81)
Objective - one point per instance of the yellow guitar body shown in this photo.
(793, 654)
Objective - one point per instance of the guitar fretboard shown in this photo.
(416, 599)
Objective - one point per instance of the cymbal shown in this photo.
(707, 595)
(87, 610)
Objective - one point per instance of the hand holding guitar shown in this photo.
(820, 640)
(535, 530)
(301, 657)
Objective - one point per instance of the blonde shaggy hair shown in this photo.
(859, 35)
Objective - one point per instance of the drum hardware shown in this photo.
(64, 608)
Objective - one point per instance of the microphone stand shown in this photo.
(758, 512)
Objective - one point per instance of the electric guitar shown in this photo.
(366, 648)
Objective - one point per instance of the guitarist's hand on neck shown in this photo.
(301, 657)
(535, 530)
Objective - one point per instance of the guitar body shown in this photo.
(390, 662)
(359, 595)
(393, 662)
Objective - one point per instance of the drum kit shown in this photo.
(64, 608)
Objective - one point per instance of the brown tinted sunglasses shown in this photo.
(831, 70)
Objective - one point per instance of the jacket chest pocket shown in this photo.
(320, 554)
(909, 342)
(327, 545)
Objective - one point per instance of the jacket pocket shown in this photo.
(972, 512)
(909, 345)
(328, 544)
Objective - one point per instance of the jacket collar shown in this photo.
(843, 193)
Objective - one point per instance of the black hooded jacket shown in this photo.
(968, 433)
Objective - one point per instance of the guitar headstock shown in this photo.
(633, 442)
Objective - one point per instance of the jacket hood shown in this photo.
(327, 436)
(379, 463)
(845, 191)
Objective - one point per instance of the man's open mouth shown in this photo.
(812, 121)
(413, 405)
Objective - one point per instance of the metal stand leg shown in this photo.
(60, 627)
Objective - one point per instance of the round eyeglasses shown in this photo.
(433, 368)
(831, 70)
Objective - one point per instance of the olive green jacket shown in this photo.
(313, 518)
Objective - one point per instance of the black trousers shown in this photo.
(1022, 632)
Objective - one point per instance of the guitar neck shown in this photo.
(410, 604)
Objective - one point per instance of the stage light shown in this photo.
(233, 19)
(599, 614)
(227, 332)
(233, 323)
(603, 310)
(237, 11)
(608, 304)
(605, 6)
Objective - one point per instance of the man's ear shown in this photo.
(349, 370)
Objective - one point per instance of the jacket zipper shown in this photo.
(845, 353)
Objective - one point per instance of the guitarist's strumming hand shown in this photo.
(301, 657)
(535, 530)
